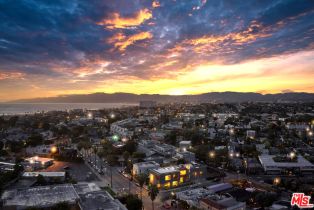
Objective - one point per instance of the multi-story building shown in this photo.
(174, 176)
(123, 128)
(144, 167)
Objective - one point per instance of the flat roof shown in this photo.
(148, 163)
(43, 173)
(268, 161)
(40, 196)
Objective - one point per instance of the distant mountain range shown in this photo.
(205, 97)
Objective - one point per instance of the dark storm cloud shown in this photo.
(67, 38)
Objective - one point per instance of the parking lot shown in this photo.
(79, 171)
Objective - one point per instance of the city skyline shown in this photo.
(165, 47)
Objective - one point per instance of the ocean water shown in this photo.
(31, 108)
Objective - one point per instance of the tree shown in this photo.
(112, 160)
(171, 138)
(133, 202)
(126, 156)
(153, 192)
(41, 180)
(35, 140)
(61, 206)
(141, 178)
(265, 199)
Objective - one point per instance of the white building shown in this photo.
(184, 145)
(301, 165)
(144, 167)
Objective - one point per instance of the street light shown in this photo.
(115, 137)
(310, 133)
(112, 115)
(53, 149)
(292, 155)
(90, 115)
(212, 154)
(277, 181)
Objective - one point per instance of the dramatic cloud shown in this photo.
(121, 42)
(116, 21)
(161, 46)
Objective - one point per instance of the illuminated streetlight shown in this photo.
(53, 149)
(124, 139)
(212, 154)
(307, 129)
(112, 115)
(292, 155)
(115, 137)
(237, 154)
(90, 115)
(231, 155)
(310, 133)
(231, 131)
(277, 181)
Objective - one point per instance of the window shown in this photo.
(151, 178)
(182, 172)
(167, 177)
(174, 183)
(181, 180)
(167, 185)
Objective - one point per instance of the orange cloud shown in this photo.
(11, 75)
(121, 42)
(155, 4)
(116, 21)
(209, 42)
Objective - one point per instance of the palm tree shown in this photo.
(153, 192)
(95, 149)
(141, 178)
(111, 162)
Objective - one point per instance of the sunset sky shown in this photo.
(59, 47)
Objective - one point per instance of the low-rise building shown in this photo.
(48, 176)
(144, 167)
(300, 165)
(174, 176)
(221, 203)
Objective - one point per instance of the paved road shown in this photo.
(120, 184)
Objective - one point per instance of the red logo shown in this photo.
(300, 200)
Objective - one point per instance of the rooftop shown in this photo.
(40, 196)
(268, 161)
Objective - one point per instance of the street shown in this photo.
(120, 183)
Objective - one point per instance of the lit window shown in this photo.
(174, 176)
(174, 183)
(158, 185)
(167, 185)
(181, 180)
(201, 172)
(195, 173)
(151, 178)
(168, 178)
(183, 172)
